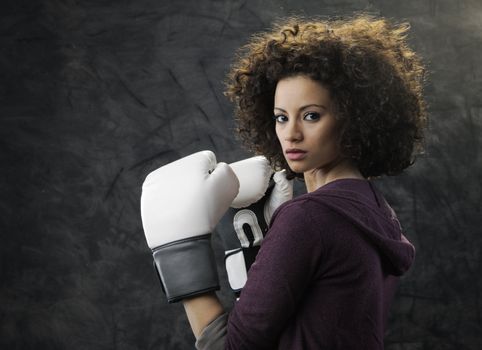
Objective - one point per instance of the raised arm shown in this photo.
(181, 204)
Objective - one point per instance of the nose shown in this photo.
(293, 132)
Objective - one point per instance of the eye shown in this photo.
(311, 116)
(280, 118)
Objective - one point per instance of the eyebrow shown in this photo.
(303, 107)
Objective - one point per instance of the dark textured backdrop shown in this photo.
(95, 94)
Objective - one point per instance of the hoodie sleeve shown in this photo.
(277, 280)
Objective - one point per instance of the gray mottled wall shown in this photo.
(95, 94)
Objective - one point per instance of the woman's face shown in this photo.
(305, 124)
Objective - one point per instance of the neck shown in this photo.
(336, 170)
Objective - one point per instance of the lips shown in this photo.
(295, 154)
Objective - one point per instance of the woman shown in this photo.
(336, 103)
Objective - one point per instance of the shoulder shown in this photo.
(302, 209)
(313, 217)
(296, 230)
(303, 216)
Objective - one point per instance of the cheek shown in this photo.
(328, 133)
(325, 141)
(331, 142)
(278, 133)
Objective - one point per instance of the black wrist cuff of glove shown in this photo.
(186, 267)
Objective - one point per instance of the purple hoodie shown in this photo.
(325, 275)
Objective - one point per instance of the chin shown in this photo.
(297, 168)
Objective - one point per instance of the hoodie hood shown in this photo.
(363, 205)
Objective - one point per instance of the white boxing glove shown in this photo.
(246, 222)
(181, 203)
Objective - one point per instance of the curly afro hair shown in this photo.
(374, 78)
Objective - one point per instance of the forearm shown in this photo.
(202, 310)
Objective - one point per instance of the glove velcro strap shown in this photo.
(186, 267)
